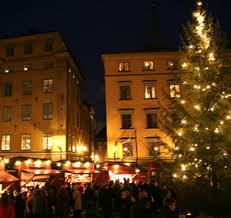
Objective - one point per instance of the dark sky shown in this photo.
(92, 27)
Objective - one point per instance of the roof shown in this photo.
(6, 177)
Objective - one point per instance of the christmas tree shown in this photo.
(200, 125)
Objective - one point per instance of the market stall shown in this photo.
(6, 180)
(78, 172)
(36, 173)
(121, 171)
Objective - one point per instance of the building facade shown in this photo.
(41, 102)
(137, 87)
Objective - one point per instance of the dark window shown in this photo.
(126, 120)
(152, 121)
(127, 150)
(7, 89)
(27, 87)
(125, 92)
(28, 49)
(47, 111)
(48, 45)
(26, 112)
(123, 66)
(6, 113)
(10, 51)
(48, 64)
(47, 85)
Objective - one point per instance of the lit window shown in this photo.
(125, 90)
(27, 87)
(47, 141)
(126, 119)
(28, 49)
(174, 90)
(6, 113)
(48, 46)
(127, 150)
(27, 67)
(47, 85)
(26, 112)
(123, 66)
(5, 142)
(9, 51)
(149, 90)
(152, 120)
(172, 64)
(148, 65)
(154, 147)
(26, 142)
(47, 111)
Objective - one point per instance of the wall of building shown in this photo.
(139, 133)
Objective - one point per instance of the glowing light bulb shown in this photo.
(183, 167)
(207, 147)
(177, 148)
(197, 107)
(222, 122)
(184, 65)
(216, 130)
(182, 101)
(174, 175)
(191, 46)
(192, 149)
(211, 57)
(228, 117)
(184, 121)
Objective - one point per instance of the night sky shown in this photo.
(94, 27)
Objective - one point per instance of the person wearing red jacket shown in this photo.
(6, 207)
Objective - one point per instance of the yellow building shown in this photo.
(136, 85)
(41, 99)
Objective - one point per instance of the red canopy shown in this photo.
(6, 177)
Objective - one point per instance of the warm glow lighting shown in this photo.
(77, 164)
(182, 102)
(192, 149)
(59, 164)
(228, 117)
(137, 170)
(183, 121)
(197, 107)
(184, 65)
(174, 175)
(18, 163)
(116, 167)
(183, 167)
(48, 162)
(216, 130)
(87, 164)
(6, 160)
(38, 163)
(207, 147)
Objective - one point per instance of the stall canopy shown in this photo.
(41, 171)
(6, 177)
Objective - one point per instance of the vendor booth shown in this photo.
(6, 180)
(121, 170)
(37, 173)
(78, 172)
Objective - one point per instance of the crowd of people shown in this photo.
(112, 200)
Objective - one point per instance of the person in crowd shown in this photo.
(62, 202)
(107, 196)
(77, 201)
(19, 204)
(6, 207)
(169, 211)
